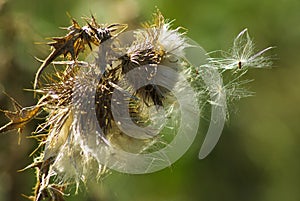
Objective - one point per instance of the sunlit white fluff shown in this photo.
(242, 55)
(161, 37)
(172, 40)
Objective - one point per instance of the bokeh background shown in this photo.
(258, 155)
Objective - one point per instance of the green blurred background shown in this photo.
(258, 155)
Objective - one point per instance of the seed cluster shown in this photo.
(63, 94)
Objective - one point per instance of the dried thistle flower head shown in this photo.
(134, 106)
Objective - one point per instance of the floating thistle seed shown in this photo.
(240, 58)
(242, 55)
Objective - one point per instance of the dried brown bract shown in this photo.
(20, 117)
(77, 38)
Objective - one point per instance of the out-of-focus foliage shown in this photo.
(257, 157)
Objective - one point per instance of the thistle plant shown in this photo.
(133, 105)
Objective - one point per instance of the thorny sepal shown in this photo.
(20, 117)
(74, 42)
(44, 188)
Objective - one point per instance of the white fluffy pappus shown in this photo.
(242, 55)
